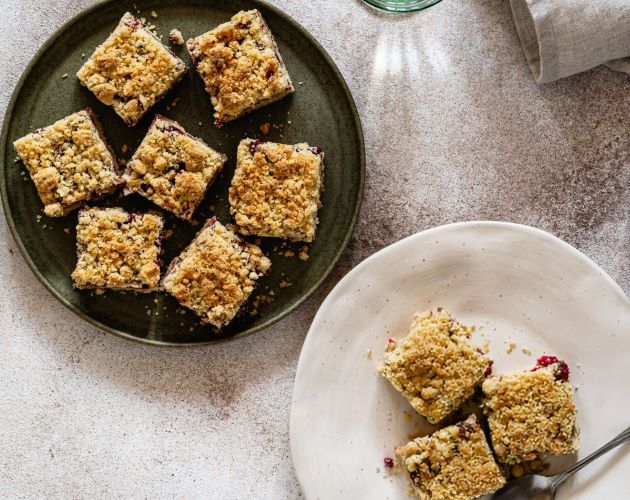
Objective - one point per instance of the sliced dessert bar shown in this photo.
(276, 189)
(531, 413)
(436, 367)
(240, 66)
(69, 163)
(172, 168)
(118, 250)
(131, 70)
(216, 274)
(454, 463)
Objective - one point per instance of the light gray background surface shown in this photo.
(455, 129)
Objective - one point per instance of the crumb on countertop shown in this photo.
(264, 128)
(369, 354)
(511, 347)
(526, 351)
(284, 284)
(154, 14)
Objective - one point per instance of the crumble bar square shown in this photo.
(118, 250)
(131, 70)
(276, 189)
(215, 274)
(172, 168)
(69, 162)
(436, 367)
(454, 463)
(531, 413)
(240, 65)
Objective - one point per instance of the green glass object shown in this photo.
(401, 5)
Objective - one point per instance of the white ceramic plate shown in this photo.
(517, 284)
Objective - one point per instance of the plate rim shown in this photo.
(120, 333)
(293, 424)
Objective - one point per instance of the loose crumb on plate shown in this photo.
(176, 37)
(511, 347)
(303, 255)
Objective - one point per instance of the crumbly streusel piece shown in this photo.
(531, 413)
(176, 37)
(172, 168)
(276, 189)
(436, 367)
(454, 463)
(131, 70)
(216, 274)
(69, 162)
(118, 250)
(240, 65)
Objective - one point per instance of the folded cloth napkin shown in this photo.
(564, 37)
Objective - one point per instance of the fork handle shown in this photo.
(560, 478)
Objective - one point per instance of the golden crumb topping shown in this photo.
(176, 37)
(240, 65)
(530, 415)
(172, 168)
(216, 274)
(69, 163)
(454, 463)
(276, 189)
(117, 249)
(436, 367)
(131, 70)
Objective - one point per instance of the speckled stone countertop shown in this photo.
(455, 129)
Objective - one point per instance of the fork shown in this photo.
(536, 487)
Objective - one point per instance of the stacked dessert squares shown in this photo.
(274, 193)
(528, 414)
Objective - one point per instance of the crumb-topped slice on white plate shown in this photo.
(276, 189)
(436, 366)
(172, 168)
(240, 65)
(118, 250)
(531, 413)
(131, 70)
(215, 274)
(454, 463)
(69, 162)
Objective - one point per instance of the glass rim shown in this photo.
(398, 6)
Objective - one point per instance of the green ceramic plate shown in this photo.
(321, 112)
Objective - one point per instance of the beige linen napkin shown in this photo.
(564, 37)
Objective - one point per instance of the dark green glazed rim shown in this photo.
(401, 6)
(338, 82)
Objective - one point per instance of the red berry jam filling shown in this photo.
(561, 368)
(389, 462)
(488, 371)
